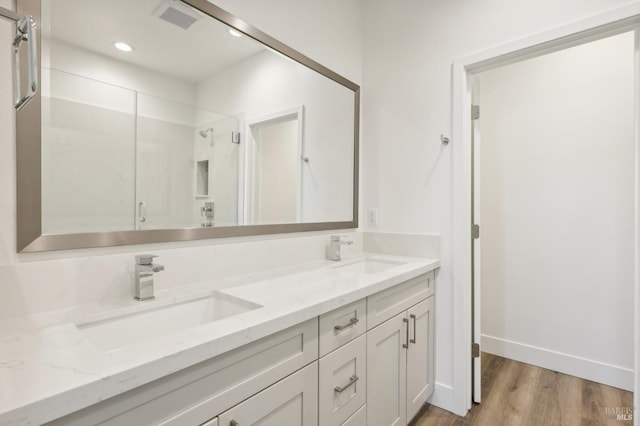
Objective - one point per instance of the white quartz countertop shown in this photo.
(49, 368)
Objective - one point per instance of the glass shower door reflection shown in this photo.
(186, 165)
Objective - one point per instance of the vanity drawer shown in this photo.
(342, 325)
(390, 302)
(358, 419)
(293, 401)
(343, 382)
(199, 393)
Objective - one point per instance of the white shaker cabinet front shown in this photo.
(386, 373)
(293, 401)
(400, 352)
(420, 355)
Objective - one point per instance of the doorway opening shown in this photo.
(553, 190)
(595, 28)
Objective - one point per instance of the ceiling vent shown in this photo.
(176, 13)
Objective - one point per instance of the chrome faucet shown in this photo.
(143, 283)
(334, 246)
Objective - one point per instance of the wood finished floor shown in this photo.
(515, 394)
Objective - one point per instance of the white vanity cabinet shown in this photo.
(366, 363)
(197, 394)
(400, 351)
(397, 350)
(293, 401)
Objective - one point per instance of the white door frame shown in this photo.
(248, 155)
(593, 28)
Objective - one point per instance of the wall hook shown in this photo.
(444, 140)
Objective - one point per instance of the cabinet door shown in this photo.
(386, 373)
(292, 401)
(419, 356)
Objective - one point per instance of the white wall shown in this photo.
(557, 202)
(74, 60)
(408, 53)
(329, 32)
(42, 281)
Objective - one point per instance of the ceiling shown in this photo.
(193, 55)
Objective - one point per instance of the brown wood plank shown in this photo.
(515, 393)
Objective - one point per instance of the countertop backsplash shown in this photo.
(49, 281)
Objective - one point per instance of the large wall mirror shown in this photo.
(168, 120)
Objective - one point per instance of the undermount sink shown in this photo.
(369, 266)
(120, 331)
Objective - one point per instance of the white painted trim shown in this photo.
(636, 386)
(595, 27)
(461, 246)
(476, 392)
(609, 23)
(608, 374)
(242, 158)
(442, 396)
(248, 153)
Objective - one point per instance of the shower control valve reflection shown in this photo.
(208, 212)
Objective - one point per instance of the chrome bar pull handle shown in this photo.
(352, 322)
(413, 317)
(142, 212)
(25, 30)
(406, 345)
(352, 380)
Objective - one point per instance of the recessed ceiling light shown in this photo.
(235, 33)
(123, 46)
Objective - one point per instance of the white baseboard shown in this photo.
(442, 397)
(595, 371)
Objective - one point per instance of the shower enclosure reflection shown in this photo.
(108, 150)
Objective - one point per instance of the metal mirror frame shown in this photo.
(29, 164)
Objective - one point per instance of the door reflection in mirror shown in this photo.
(274, 159)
